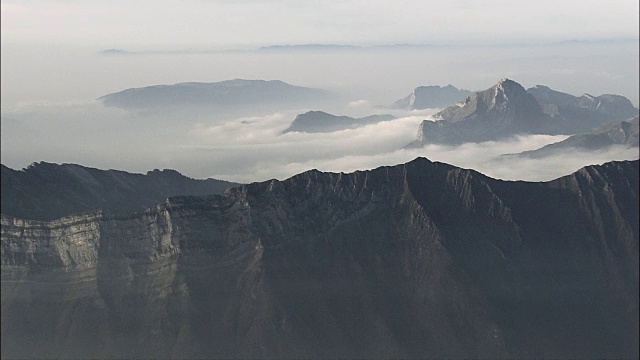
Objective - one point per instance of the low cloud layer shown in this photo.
(247, 149)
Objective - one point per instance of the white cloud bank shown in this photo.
(247, 149)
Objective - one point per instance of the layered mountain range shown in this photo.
(46, 191)
(507, 109)
(420, 260)
(320, 122)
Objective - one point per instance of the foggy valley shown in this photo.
(340, 179)
(243, 143)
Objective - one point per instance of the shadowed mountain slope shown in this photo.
(420, 260)
(46, 191)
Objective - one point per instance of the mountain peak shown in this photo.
(501, 111)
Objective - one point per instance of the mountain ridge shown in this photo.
(624, 133)
(45, 191)
(506, 109)
(223, 95)
(421, 259)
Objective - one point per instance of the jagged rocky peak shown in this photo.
(499, 112)
(506, 95)
(506, 98)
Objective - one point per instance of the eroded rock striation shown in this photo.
(416, 260)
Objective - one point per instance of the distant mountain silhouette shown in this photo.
(622, 133)
(222, 95)
(432, 97)
(320, 121)
(46, 191)
(309, 47)
(583, 113)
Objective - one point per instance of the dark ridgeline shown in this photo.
(507, 109)
(421, 260)
(322, 122)
(45, 191)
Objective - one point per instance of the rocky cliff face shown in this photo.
(46, 191)
(416, 260)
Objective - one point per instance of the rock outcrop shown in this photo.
(421, 260)
(45, 191)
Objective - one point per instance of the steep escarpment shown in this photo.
(417, 260)
(45, 191)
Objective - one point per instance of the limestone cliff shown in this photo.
(417, 260)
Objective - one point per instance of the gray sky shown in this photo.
(226, 23)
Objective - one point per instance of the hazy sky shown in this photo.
(220, 23)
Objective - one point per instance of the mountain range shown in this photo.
(320, 122)
(585, 112)
(507, 109)
(418, 260)
(432, 97)
(45, 191)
